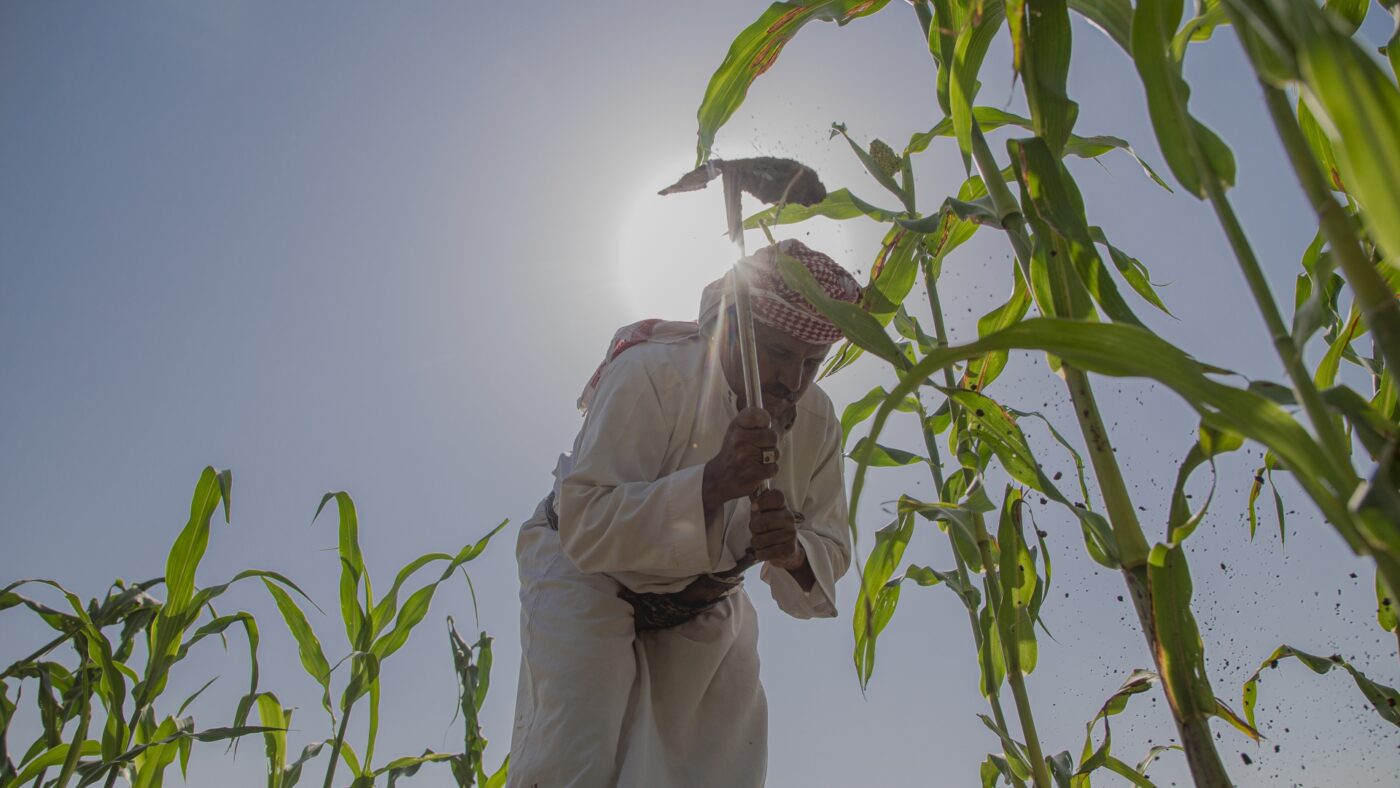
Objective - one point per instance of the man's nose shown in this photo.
(789, 376)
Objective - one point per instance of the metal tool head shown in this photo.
(768, 178)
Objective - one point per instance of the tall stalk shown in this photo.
(1373, 297)
(940, 336)
(337, 747)
(1206, 767)
(1011, 652)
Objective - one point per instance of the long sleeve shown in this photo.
(823, 533)
(617, 512)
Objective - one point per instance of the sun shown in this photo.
(671, 247)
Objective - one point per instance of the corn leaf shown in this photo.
(1113, 17)
(877, 599)
(1180, 653)
(858, 326)
(1178, 134)
(1385, 700)
(995, 427)
(969, 50)
(838, 205)
(1044, 71)
(756, 49)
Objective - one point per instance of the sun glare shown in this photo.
(671, 247)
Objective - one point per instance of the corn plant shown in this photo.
(1086, 326)
(98, 716)
(374, 630)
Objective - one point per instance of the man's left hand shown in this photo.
(774, 532)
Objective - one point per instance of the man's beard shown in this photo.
(779, 403)
(786, 414)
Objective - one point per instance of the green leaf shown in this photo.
(1044, 71)
(352, 568)
(892, 275)
(876, 602)
(188, 549)
(1358, 106)
(960, 522)
(981, 372)
(969, 50)
(884, 456)
(1180, 653)
(1181, 520)
(1052, 202)
(858, 326)
(859, 411)
(1113, 17)
(1350, 13)
(1385, 606)
(992, 118)
(1224, 712)
(1154, 22)
(1321, 146)
(839, 205)
(994, 426)
(1131, 269)
(53, 757)
(1127, 351)
(873, 167)
(313, 658)
(756, 49)
(1014, 750)
(277, 720)
(1018, 586)
(1383, 699)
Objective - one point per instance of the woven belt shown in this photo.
(663, 611)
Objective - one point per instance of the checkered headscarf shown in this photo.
(776, 304)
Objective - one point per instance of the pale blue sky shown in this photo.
(380, 248)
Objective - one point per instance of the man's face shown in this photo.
(786, 367)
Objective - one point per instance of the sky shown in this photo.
(380, 247)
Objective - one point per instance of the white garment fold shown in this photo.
(599, 704)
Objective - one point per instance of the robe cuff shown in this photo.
(695, 543)
(820, 602)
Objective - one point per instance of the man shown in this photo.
(639, 645)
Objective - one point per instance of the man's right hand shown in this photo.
(738, 469)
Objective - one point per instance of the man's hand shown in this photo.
(738, 469)
(773, 530)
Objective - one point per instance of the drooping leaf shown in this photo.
(1045, 70)
(1179, 135)
(1053, 203)
(839, 205)
(969, 50)
(858, 326)
(1113, 17)
(995, 427)
(1385, 700)
(1180, 653)
(1181, 520)
(876, 601)
(884, 456)
(1358, 105)
(756, 49)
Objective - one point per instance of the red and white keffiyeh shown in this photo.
(777, 305)
(774, 304)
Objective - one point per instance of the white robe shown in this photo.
(599, 704)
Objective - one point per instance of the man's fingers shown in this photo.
(764, 540)
(771, 501)
(762, 437)
(753, 418)
(767, 522)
